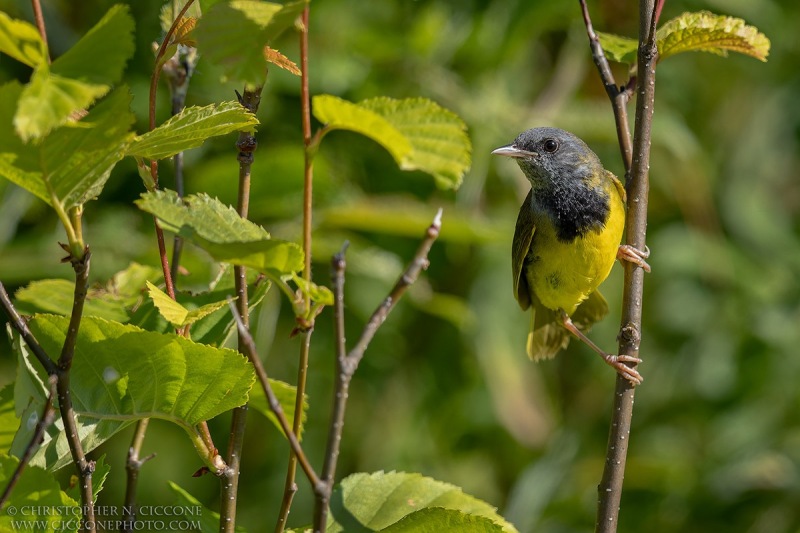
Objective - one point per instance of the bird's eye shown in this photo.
(550, 145)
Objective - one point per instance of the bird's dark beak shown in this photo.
(512, 151)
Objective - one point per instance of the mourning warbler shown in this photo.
(566, 241)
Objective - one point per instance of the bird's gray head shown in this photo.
(551, 156)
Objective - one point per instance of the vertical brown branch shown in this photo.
(290, 486)
(85, 467)
(39, 17)
(246, 146)
(610, 487)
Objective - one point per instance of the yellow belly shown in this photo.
(564, 274)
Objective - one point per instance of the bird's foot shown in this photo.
(628, 253)
(617, 362)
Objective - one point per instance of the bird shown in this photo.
(567, 238)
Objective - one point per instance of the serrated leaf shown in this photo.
(618, 48)
(79, 77)
(121, 373)
(21, 40)
(280, 60)
(166, 16)
(286, 395)
(219, 230)
(379, 500)
(190, 128)
(437, 519)
(72, 164)
(706, 32)
(52, 509)
(420, 134)
(219, 35)
(177, 314)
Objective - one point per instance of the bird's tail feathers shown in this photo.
(546, 336)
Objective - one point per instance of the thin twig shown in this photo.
(346, 365)
(610, 487)
(39, 17)
(272, 400)
(290, 486)
(48, 415)
(618, 95)
(19, 324)
(132, 466)
(85, 467)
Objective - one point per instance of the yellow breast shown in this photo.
(563, 274)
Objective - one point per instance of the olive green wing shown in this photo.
(547, 336)
(619, 186)
(591, 310)
(523, 235)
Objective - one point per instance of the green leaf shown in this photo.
(379, 500)
(166, 16)
(219, 230)
(190, 128)
(9, 422)
(286, 395)
(618, 48)
(420, 134)
(47, 507)
(219, 35)
(206, 519)
(706, 32)
(21, 40)
(121, 374)
(177, 314)
(437, 519)
(77, 78)
(72, 164)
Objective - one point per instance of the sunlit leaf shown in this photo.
(382, 499)
(71, 165)
(177, 314)
(166, 16)
(79, 77)
(707, 32)
(219, 230)
(8, 418)
(190, 128)
(219, 35)
(37, 495)
(121, 373)
(420, 134)
(618, 48)
(436, 519)
(21, 40)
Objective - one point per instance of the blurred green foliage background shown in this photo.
(446, 388)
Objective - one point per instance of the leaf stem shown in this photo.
(39, 17)
(132, 467)
(610, 487)
(347, 363)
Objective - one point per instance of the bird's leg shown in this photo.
(628, 253)
(615, 361)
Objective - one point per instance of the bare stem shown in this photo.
(85, 467)
(246, 145)
(610, 487)
(619, 95)
(37, 15)
(290, 486)
(19, 324)
(48, 414)
(132, 466)
(347, 363)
